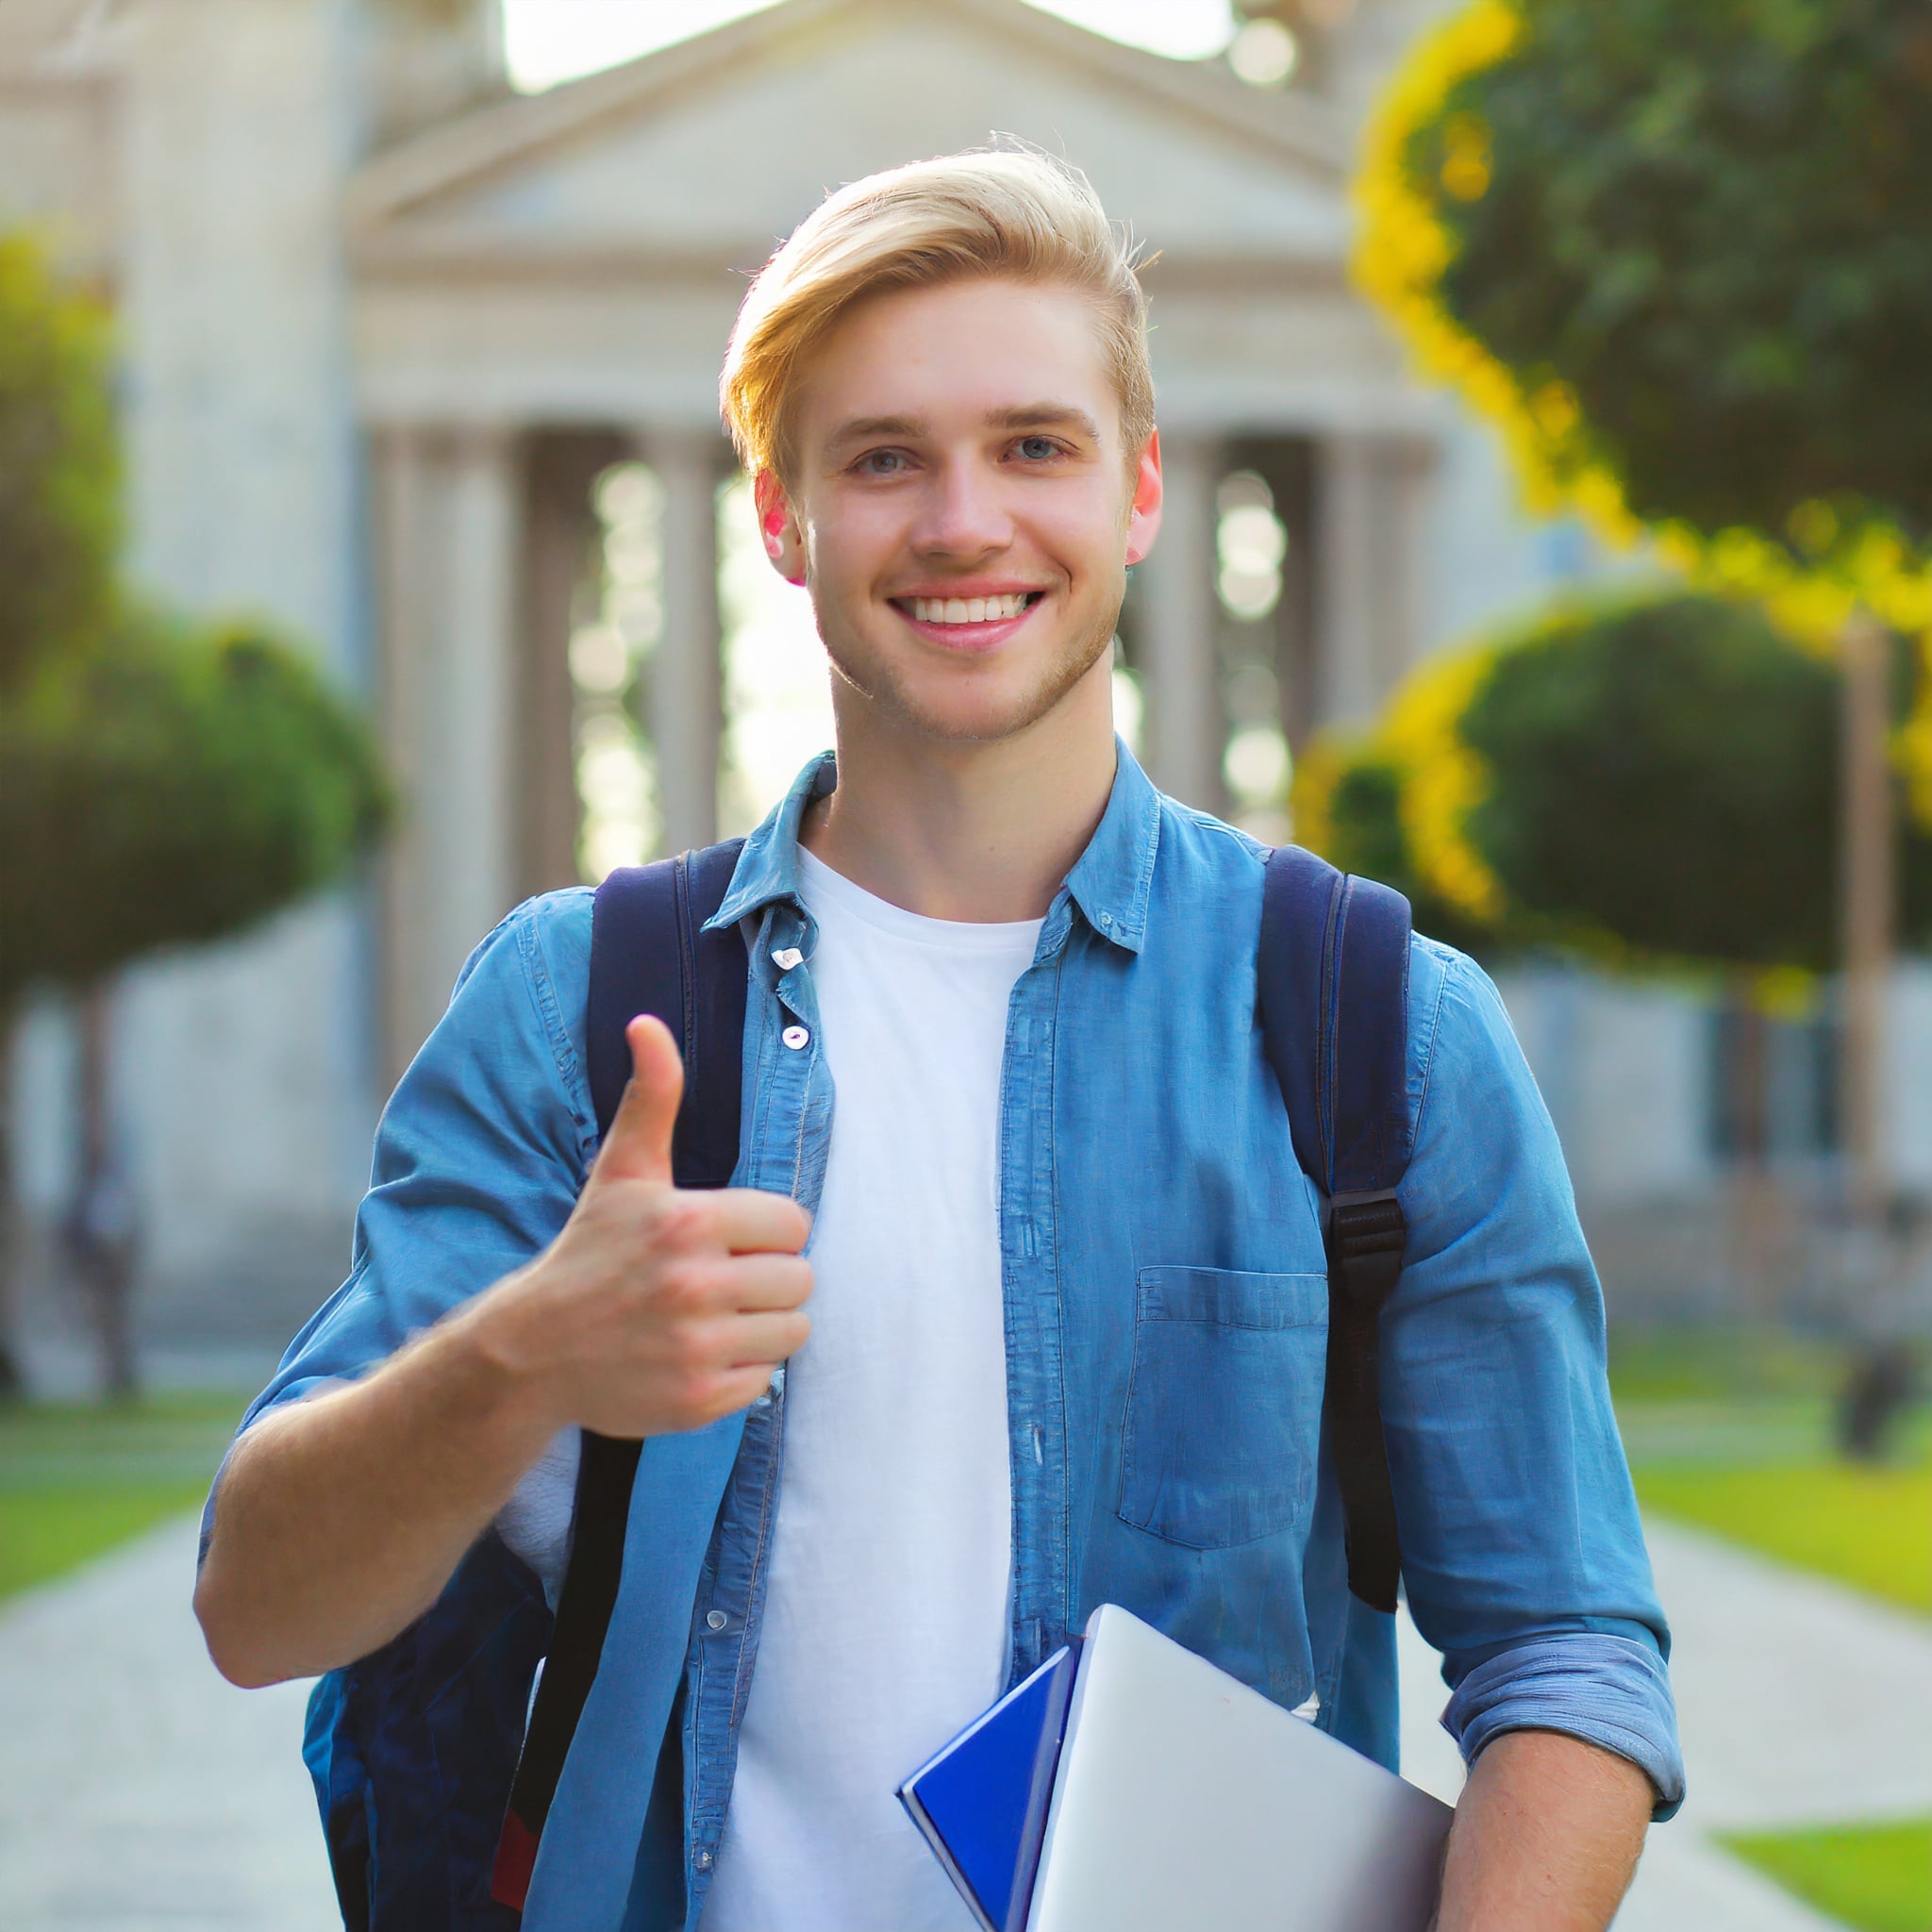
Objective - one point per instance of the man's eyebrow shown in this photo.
(863, 429)
(1045, 416)
(1020, 416)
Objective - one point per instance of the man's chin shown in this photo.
(963, 712)
(981, 720)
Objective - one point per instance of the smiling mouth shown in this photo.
(964, 611)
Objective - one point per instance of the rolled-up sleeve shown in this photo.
(1614, 1691)
(1522, 1553)
(479, 1159)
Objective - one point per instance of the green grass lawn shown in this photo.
(1720, 1364)
(1731, 1432)
(76, 1479)
(45, 1533)
(1868, 1528)
(1876, 1877)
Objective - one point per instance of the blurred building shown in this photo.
(386, 324)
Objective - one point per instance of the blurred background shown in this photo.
(1545, 411)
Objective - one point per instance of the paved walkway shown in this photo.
(1800, 1702)
(140, 1793)
(137, 1791)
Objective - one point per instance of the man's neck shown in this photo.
(982, 833)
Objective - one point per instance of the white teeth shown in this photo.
(968, 609)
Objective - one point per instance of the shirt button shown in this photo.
(702, 1861)
(795, 1037)
(786, 958)
(717, 1620)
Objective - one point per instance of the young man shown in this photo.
(1030, 981)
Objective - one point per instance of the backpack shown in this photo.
(433, 1762)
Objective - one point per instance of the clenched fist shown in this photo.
(655, 1309)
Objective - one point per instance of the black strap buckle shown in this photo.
(1365, 1238)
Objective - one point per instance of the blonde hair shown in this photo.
(992, 212)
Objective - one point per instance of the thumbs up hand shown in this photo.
(637, 1147)
(657, 1308)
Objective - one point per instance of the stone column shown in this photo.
(560, 532)
(1345, 520)
(1408, 476)
(450, 507)
(401, 504)
(686, 702)
(1371, 495)
(230, 142)
(1180, 616)
(470, 799)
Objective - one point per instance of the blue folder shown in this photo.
(981, 1801)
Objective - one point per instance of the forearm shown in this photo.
(340, 1518)
(1546, 1836)
(654, 1311)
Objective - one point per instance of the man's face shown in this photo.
(961, 505)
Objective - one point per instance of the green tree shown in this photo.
(59, 470)
(1685, 252)
(1650, 781)
(165, 786)
(159, 784)
(172, 785)
(59, 528)
(1683, 255)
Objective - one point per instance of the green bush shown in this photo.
(166, 786)
(1664, 772)
(1652, 780)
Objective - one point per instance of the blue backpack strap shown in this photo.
(649, 954)
(1333, 975)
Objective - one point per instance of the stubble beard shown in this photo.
(895, 704)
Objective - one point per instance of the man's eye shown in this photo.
(1037, 449)
(881, 463)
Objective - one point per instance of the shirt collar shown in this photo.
(767, 869)
(1110, 882)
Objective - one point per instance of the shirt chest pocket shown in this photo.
(1224, 1408)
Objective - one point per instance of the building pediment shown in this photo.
(701, 156)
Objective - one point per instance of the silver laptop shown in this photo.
(1184, 1800)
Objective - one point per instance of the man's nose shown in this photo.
(964, 514)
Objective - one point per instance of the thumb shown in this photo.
(637, 1147)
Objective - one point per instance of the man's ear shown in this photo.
(778, 527)
(1143, 520)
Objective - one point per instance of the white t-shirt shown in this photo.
(885, 1621)
(886, 1610)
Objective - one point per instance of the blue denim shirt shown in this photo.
(1166, 1307)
